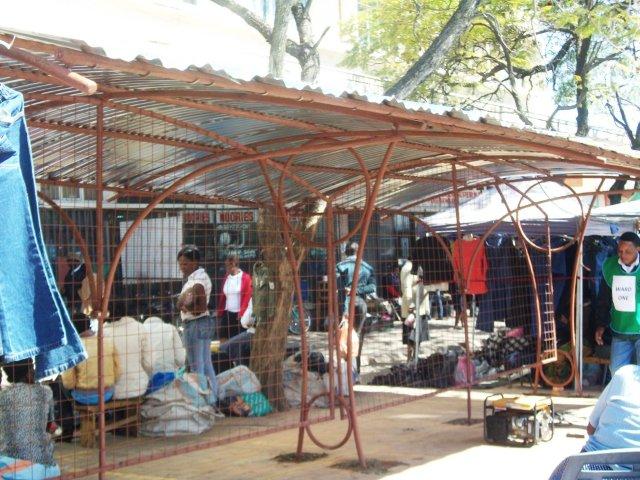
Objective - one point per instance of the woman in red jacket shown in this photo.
(233, 299)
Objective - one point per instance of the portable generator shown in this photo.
(518, 419)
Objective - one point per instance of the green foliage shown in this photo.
(389, 36)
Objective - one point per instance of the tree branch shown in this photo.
(555, 112)
(621, 121)
(315, 45)
(257, 24)
(439, 48)
(551, 65)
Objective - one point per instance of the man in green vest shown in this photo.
(619, 302)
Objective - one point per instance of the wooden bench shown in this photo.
(88, 428)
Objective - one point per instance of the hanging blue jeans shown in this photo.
(33, 318)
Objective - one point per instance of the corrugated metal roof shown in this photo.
(161, 124)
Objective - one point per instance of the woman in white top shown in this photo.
(198, 324)
(234, 299)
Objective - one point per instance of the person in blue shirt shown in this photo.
(615, 419)
(366, 281)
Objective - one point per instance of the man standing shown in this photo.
(366, 281)
(619, 302)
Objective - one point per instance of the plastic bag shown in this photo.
(461, 375)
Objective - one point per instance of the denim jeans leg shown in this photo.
(207, 366)
(197, 340)
(188, 338)
(33, 317)
(622, 352)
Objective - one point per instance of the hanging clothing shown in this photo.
(426, 252)
(476, 274)
(264, 292)
(519, 311)
(493, 305)
(409, 287)
(409, 284)
(33, 317)
(561, 268)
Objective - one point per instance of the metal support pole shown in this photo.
(332, 327)
(100, 268)
(579, 318)
(462, 289)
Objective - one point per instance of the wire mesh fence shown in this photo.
(244, 258)
(203, 335)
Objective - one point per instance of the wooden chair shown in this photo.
(88, 428)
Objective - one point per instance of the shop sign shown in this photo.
(197, 216)
(235, 216)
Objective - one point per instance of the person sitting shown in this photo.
(132, 344)
(614, 422)
(82, 380)
(167, 353)
(238, 348)
(26, 409)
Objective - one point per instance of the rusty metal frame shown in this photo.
(399, 129)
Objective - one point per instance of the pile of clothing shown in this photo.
(506, 350)
(435, 371)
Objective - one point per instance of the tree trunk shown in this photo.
(306, 52)
(270, 340)
(279, 37)
(582, 88)
(309, 58)
(437, 51)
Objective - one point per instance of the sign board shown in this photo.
(197, 216)
(235, 216)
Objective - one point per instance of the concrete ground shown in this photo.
(416, 437)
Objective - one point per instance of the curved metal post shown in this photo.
(293, 264)
(534, 285)
(574, 279)
(368, 213)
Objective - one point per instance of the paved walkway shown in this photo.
(416, 437)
